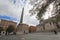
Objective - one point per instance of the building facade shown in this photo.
(47, 26)
(39, 28)
(5, 24)
(24, 28)
(32, 29)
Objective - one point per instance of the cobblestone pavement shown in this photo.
(32, 36)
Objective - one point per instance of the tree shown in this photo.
(10, 29)
(1, 29)
(40, 6)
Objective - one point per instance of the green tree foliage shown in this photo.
(1, 29)
(10, 28)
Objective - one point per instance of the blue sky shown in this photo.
(11, 10)
(8, 18)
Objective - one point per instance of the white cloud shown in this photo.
(9, 9)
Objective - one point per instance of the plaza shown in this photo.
(32, 36)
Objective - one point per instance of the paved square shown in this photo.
(32, 36)
(42, 36)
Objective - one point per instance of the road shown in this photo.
(32, 36)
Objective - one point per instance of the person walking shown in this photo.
(55, 32)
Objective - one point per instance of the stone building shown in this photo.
(32, 29)
(47, 25)
(6, 23)
(39, 28)
(24, 28)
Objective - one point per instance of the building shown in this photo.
(5, 24)
(47, 25)
(39, 28)
(24, 28)
(32, 29)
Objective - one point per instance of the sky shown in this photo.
(11, 10)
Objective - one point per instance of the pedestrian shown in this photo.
(55, 31)
(0, 32)
(24, 31)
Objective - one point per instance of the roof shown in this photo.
(9, 21)
(23, 24)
